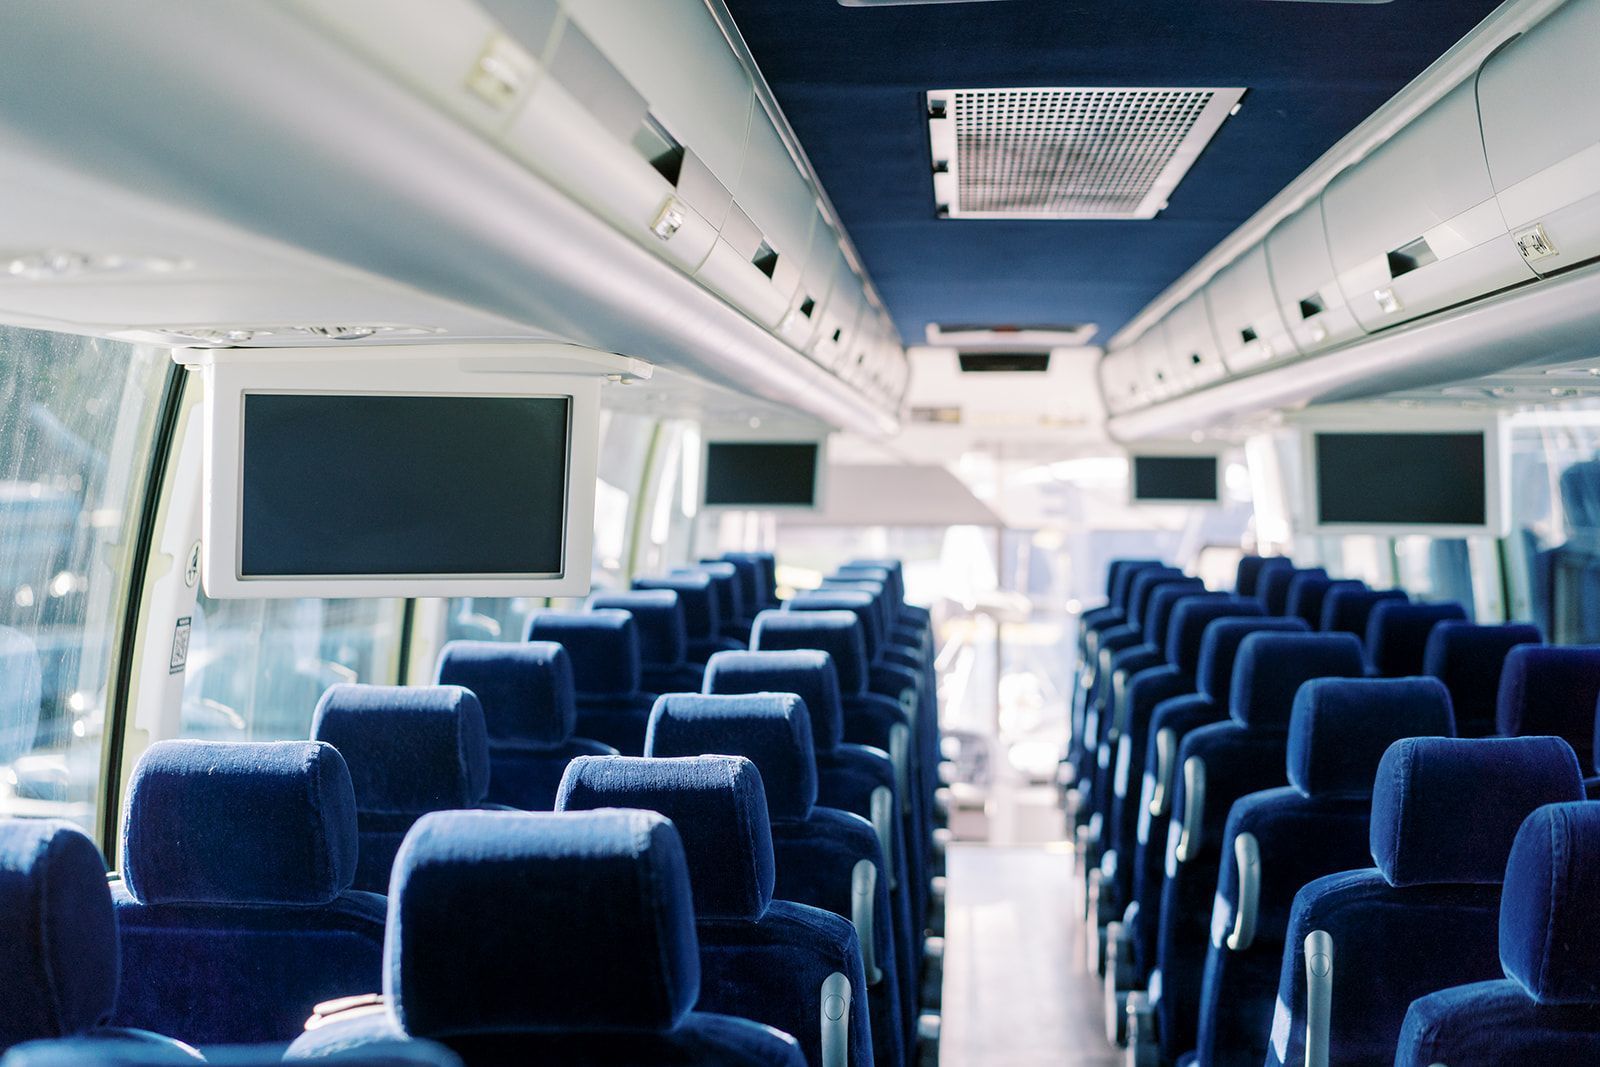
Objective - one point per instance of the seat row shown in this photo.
(806, 850)
(1261, 743)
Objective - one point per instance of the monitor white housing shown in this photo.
(743, 434)
(425, 371)
(1496, 520)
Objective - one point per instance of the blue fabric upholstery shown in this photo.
(761, 590)
(1338, 733)
(235, 913)
(1468, 659)
(1550, 690)
(58, 936)
(1346, 610)
(530, 709)
(772, 730)
(758, 960)
(858, 603)
(1275, 585)
(1245, 577)
(1445, 812)
(697, 598)
(121, 1052)
(1219, 651)
(663, 632)
(748, 575)
(535, 988)
(1397, 634)
(410, 750)
(1307, 590)
(1241, 756)
(807, 673)
(733, 614)
(1548, 1011)
(607, 673)
(838, 633)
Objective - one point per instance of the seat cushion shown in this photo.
(1492, 1023)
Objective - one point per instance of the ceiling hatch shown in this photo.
(1064, 153)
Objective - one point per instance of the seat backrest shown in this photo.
(1549, 941)
(807, 673)
(725, 583)
(1219, 650)
(658, 619)
(241, 855)
(838, 633)
(1397, 634)
(771, 730)
(58, 936)
(859, 603)
(1279, 565)
(1550, 689)
(696, 595)
(1163, 601)
(1247, 574)
(1271, 667)
(1276, 583)
(530, 713)
(1309, 590)
(1122, 581)
(1145, 583)
(1445, 812)
(410, 750)
(751, 582)
(1346, 610)
(766, 585)
(774, 962)
(1468, 659)
(607, 672)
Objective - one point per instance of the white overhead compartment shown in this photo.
(799, 327)
(1193, 359)
(1310, 302)
(1244, 312)
(1121, 380)
(839, 316)
(1415, 227)
(1155, 364)
(1545, 160)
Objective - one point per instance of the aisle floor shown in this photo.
(1016, 993)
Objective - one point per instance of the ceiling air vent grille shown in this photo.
(1062, 153)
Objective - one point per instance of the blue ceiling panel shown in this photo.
(851, 81)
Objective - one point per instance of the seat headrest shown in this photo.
(1345, 610)
(1468, 659)
(751, 582)
(1271, 668)
(568, 921)
(525, 689)
(771, 730)
(58, 936)
(1144, 586)
(1122, 581)
(1397, 634)
(409, 749)
(807, 673)
(1191, 616)
(1219, 648)
(727, 587)
(698, 598)
(1550, 689)
(766, 565)
(1549, 940)
(860, 604)
(882, 604)
(719, 807)
(21, 693)
(1244, 578)
(603, 646)
(1158, 613)
(838, 633)
(1445, 809)
(1306, 590)
(1341, 727)
(239, 822)
(1270, 566)
(1278, 582)
(657, 619)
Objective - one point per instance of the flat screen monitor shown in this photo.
(761, 475)
(421, 477)
(1441, 481)
(1175, 479)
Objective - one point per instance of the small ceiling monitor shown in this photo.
(762, 473)
(1432, 477)
(417, 478)
(1175, 478)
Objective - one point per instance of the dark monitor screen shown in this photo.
(1185, 478)
(1401, 479)
(403, 485)
(761, 474)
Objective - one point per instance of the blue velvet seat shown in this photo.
(1346, 610)
(100, 1052)
(663, 630)
(1550, 689)
(1272, 565)
(410, 750)
(1547, 1008)
(235, 910)
(733, 619)
(547, 937)
(1247, 574)
(826, 858)
(850, 777)
(775, 962)
(1444, 814)
(702, 611)
(607, 673)
(1308, 591)
(1220, 763)
(1170, 723)
(1277, 840)
(1119, 584)
(58, 944)
(766, 581)
(529, 711)
(1397, 634)
(1276, 583)
(752, 594)
(1468, 659)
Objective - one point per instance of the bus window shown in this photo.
(258, 667)
(1555, 508)
(77, 419)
